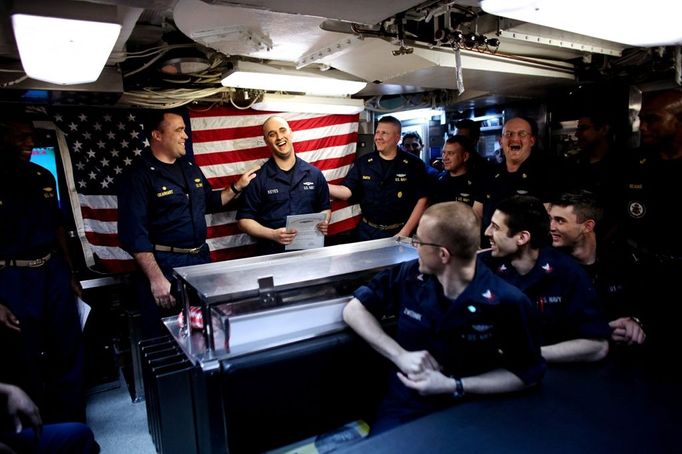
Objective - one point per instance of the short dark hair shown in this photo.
(10, 120)
(472, 126)
(465, 142)
(10, 115)
(598, 119)
(413, 135)
(154, 117)
(525, 212)
(584, 203)
(391, 120)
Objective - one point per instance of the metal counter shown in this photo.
(262, 302)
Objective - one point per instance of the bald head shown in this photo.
(455, 226)
(278, 137)
(274, 121)
(661, 121)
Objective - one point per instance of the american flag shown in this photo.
(102, 143)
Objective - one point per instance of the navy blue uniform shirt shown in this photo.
(431, 172)
(164, 204)
(650, 199)
(563, 293)
(613, 279)
(40, 297)
(649, 205)
(446, 188)
(537, 176)
(275, 194)
(29, 211)
(601, 178)
(490, 325)
(387, 198)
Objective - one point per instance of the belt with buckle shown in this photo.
(33, 263)
(381, 226)
(178, 250)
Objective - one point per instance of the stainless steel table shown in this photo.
(274, 361)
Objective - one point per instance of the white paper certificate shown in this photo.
(308, 236)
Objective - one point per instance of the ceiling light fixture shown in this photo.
(419, 114)
(64, 50)
(308, 104)
(261, 77)
(654, 23)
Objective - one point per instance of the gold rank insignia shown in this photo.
(198, 183)
(400, 194)
(164, 192)
(47, 192)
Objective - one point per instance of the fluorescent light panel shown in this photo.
(418, 115)
(651, 23)
(259, 77)
(308, 104)
(63, 51)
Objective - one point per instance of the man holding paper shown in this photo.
(285, 185)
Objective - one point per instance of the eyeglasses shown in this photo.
(416, 242)
(519, 134)
(411, 145)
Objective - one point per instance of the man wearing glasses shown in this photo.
(460, 329)
(523, 172)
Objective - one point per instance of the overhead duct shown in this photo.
(426, 69)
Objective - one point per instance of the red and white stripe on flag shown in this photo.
(226, 142)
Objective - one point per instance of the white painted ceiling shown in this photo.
(288, 32)
(293, 28)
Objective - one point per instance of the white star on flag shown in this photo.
(224, 144)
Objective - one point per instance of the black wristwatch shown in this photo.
(459, 388)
